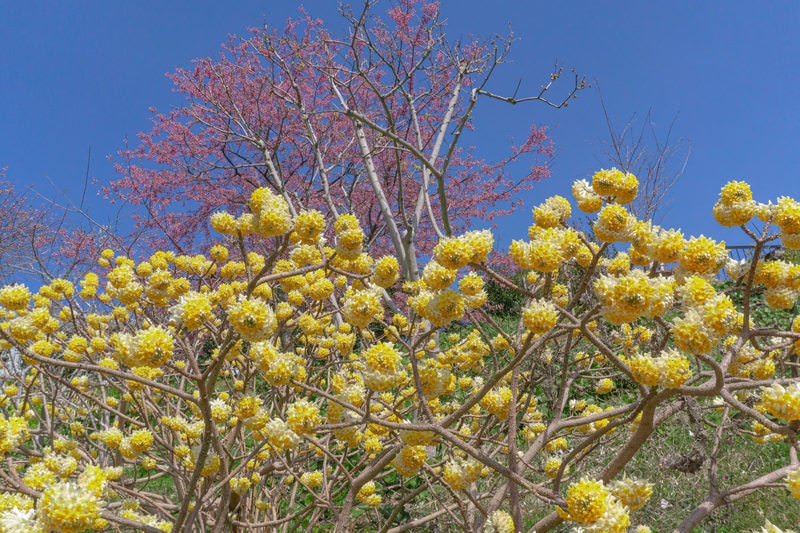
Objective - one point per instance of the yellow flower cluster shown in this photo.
(614, 224)
(152, 347)
(704, 256)
(15, 297)
(751, 363)
(539, 316)
(588, 201)
(618, 186)
(383, 370)
(782, 402)
(455, 253)
(633, 295)
(349, 237)
(252, 318)
(271, 215)
(590, 503)
(366, 494)
(548, 249)
(410, 459)
(591, 410)
(467, 354)
(437, 276)
(633, 493)
(552, 465)
(312, 480)
(654, 243)
(498, 402)
(280, 435)
(786, 215)
(303, 417)
(669, 370)
(17, 519)
(735, 206)
(782, 282)
(461, 473)
(443, 307)
(13, 432)
(387, 272)
(707, 317)
(308, 226)
(362, 307)
(553, 212)
(762, 434)
(435, 378)
(793, 482)
(66, 507)
(123, 286)
(192, 310)
(415, 437)
(604, 386)
(499, 522)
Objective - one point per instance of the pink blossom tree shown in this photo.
(26, 231)
(368, 122)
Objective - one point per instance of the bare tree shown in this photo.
(24, 230)
(657, 159)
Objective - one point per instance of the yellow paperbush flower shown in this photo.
(309, 226)
(587, 199)
(410, 459)
(786, 215)
(620, 186)
(303, 417)
(702, 255)
(552, 465)
(271, 215)
(444, 307)
(604, 386)
(633, 295)
(387, 271)
(634, 493)
(452, 253)
(141, 440)
(552, 212)
(735, 206)
(152, 347)
(669, 370)
(367, 495)
(383, 369)
(15, 297)
(67, 508)
(192, 310)
(793, 482)
(481, 243)
(782, 402)
(461, 473)
(252, 318)
(311, 480)
(362, 307)
(587, 501)
(540, 316)
(499, 522)
(437, 276)
(498, 402)
(614, 224)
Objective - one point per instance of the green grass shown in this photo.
(676, 494)
(739, 460)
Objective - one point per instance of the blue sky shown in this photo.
(84, 73)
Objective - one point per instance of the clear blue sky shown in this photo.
(84, 73)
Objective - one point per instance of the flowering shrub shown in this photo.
(296, 381)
